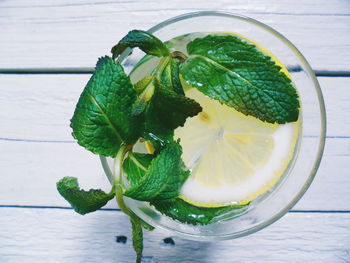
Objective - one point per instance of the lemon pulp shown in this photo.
(233, 158)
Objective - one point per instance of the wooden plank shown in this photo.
(38, 235)
(39, 107)
(336, 7)
(325, 191)
(30, 171)
(61, 34)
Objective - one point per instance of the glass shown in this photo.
(302, 169)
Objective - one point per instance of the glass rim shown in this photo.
(322, 135)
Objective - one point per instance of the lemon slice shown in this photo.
(233, 158)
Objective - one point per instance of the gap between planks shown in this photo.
(118, 210)
(72, 141)
(90, 70)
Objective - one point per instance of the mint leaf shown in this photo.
(83, 202)
(155, 132)
(236, 73)
(136, 165)
(137, 237)
(172, 108)
(166, 111)
(184, 212)
(167, 71)
(170, 78)
(163, 178)
(143, 40)
(102, 121)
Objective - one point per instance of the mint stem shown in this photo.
(137, 235)
(160, 67)
(118, 174)
(120, 201)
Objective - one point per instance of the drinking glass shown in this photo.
(297, 178)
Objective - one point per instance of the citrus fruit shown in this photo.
(233, 158)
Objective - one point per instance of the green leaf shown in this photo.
(164, 112)
(170, 76)
(136, 165)
(156, 133)
(102, 121)
(163, 178)
(137, 237)
(184, 212)
(236, 73)
(83, 202)
(172, 108)
(143, 40)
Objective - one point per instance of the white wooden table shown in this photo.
(47, 51)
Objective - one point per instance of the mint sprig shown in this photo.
(236, 73)
(184, 212)
(145, 89)
(82, 201)
(163, 109)
(163, 178)
(171, 107)
(101, 121)
(137, 237)
(112, 114)
(143, 40)
(170, 76)
(136, 165)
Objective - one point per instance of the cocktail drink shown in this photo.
(233, 158)
(202, 134)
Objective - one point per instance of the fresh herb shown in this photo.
(83, 202)
(143, 40)
(163, 178)
(172, 108)
(170, 76)
(184, 212)
(231, 70)
(136, 165)
(112, 114)
(145, 89)
(101, 121)
(164, 111)
(137, 237)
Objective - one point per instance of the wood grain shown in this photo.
(39, 107)
(30, 171)
(50, 235)
(37, 149)
(60, 34)
(37, 146)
